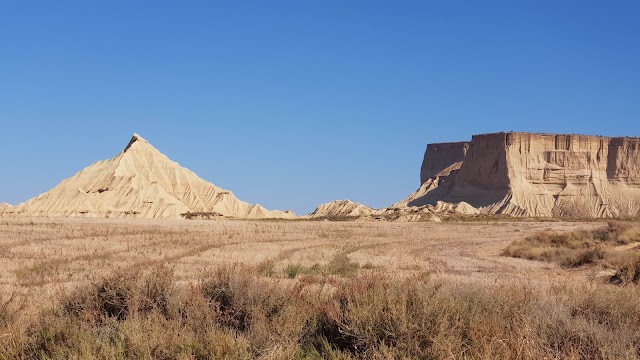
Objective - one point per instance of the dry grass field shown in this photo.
(73, 288)
(51, 256)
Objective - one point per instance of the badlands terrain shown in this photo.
(515, 174)
(502, 252)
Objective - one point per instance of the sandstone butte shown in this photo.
(519, 174)
(527, 174)
(140, 182)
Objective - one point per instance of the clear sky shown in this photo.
(294, 103)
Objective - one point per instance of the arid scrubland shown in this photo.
(167, 289)
(615, 247)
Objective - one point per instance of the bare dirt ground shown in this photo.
(42, 258)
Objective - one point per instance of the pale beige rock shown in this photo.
(140, 182)
(341, 208)
(453, 208)
(525, 174)
(464, 208)
(349, 209)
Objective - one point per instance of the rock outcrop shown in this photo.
(341, 208)
(140, 182)
(346, 209)
(526, 174)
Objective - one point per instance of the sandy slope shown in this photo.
(140, 182)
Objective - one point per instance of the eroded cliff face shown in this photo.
(440, 156)
(623, 162)
(525, 174)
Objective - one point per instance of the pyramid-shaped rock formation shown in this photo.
(140, 182)
(526, 174)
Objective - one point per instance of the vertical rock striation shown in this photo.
(527, 174)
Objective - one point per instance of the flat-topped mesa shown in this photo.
(530, 174)
(139, 182)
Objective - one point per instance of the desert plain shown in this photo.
(308, 289)
(43, 257)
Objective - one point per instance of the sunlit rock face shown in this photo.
(140, 182)
(527, 174)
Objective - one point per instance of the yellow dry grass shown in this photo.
(48, 256)
(327, 290)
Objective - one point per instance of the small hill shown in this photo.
(140, 182)
(341, 208)
(346, 209)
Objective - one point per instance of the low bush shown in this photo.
(580, 248)
(340, 265)
(236, 314)
(201, 215)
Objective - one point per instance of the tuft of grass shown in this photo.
(10, 309)
(370, 266)
(36, 274)
(266, 267)
(340, 265)
(294, 270)
(627, 266)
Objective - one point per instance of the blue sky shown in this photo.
(295, 103)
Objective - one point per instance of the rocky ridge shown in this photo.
(349, 209)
